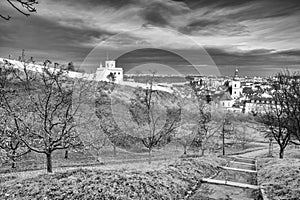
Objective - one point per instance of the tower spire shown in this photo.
(236, 73)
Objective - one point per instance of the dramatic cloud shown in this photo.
(99, 3)
(214, 27)
(160, 13)
(234, 32)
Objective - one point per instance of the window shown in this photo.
(119, 73)
(234, 85)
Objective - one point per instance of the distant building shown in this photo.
(258, 105)
(109, 70)
(223, 100)
(236, 86)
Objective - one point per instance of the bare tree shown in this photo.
(275, 118)
(47, 101)
(93, 138)
(155, 125)
(207, 123)
(288, 83)
(283, 115)
(186, 136)
(242, 134)
(150, 117)
(9, 132)
(10, 143)
(24, 7)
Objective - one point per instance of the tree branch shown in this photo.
(19, 10)
(29, 5)
(5, 17)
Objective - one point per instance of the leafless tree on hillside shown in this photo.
(9, 133)
(185, 137)
(289, 84)
(208, 126)
(156, 128)
(276, 119)
(44, 121)
(94, 139)
(151, 119)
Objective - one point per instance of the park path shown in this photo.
(235, 181)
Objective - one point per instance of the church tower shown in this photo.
(236, 74)
(236, 85)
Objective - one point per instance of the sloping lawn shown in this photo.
(281, 178)
(172, 182)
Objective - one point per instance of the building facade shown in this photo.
(109, 70)
(259, 105)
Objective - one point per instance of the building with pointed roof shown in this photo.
(236, 85)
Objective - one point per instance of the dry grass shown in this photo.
(281, 177)
(161, 181)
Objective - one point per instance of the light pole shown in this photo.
(223, 136)
(224, 129)
(223, 133)
(270, 146)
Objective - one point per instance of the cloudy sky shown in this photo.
(257, 36)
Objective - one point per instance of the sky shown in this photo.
(259, 37)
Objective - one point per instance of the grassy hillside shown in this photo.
(281, 177)
(170, 182)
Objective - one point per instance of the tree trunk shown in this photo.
(270, 148)
(13, 158)
(67, 154)
(98, 159)
(281, 152)
(13, 165)
(115, 150)
(184, 149)
(202, 151)
(49, 162)
(149, 156)
(243, 145)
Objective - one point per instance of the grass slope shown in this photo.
(171, 182)
(281, 177)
